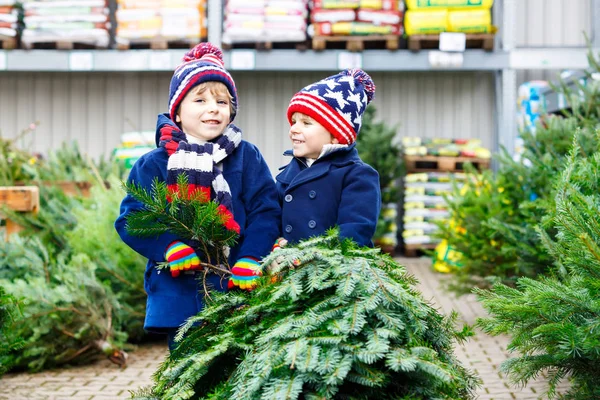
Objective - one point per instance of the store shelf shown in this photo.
(293, 60)
(274, 60)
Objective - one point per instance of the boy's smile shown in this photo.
(308, 136)
(204, 114)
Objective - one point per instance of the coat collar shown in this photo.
(297, 173)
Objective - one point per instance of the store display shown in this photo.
(8, 19)
(68, 21)
(160, 19)
(265, 21)
(356, 18)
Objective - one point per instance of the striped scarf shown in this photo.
(199, 164)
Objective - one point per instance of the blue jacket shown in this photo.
(338, 189)
(255, 208)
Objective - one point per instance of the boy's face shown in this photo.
(308, 136)
(204, 113)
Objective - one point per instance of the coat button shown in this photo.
(288, 229)
(312, 194)
(312, 224)
(288, 198)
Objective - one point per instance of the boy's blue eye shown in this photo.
(222, 102)
(199, 100)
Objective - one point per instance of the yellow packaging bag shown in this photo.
(419, 22)
(446, 259)
(429, 4)
(470, 21)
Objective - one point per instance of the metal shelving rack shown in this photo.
(504, 61)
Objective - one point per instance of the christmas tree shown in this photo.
(67, 314)
(378, 147)
(553, 321)
(495, 216)
(189, 215)
(337, 321)
(8, 313)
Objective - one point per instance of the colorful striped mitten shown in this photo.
(279, 243)
(181, 257)
(245, 273)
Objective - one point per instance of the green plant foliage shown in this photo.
(188, 215)
(340, 322)
(554, 321)
(118, 266)
(67, 316)
(495, 216)
(8, 314)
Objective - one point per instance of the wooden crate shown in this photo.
(483, 41)
(8, 43)
(71, 188)
(357, 43)
(443, 164)
(21, 199)
(414, 250)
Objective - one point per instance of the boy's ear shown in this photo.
(177, 118)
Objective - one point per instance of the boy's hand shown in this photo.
(279, 243)
(245, 273)
(181, 257)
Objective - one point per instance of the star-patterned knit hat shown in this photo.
(336, 102)
(203, 63)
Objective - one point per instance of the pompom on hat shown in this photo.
(203, 63)
(337, 102)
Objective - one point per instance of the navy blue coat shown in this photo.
(339, 189)
(255, 208)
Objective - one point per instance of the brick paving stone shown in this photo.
(103, 380)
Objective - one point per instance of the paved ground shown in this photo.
(104, 381)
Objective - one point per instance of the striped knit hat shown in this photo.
(336, 102)
(203, 63)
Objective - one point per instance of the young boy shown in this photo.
(326, 184)
(197, 138)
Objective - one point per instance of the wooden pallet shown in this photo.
(443, 164)
(156, 43)
(21, 199)
(357, 43)
(266, 45)
(414, 250)
(474, 41)
(62, 45)
(8, 43)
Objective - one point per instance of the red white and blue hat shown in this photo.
(203, 63)
(337, 102)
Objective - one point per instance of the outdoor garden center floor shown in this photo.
(104, 380)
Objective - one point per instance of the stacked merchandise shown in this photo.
(424, 204)
(435, 16)
(265, 21)
(356, 17)
(70, 21)
(133, 146)
(528, 110)
(424, 192)
(143, 20)
(8, 20)
(415, 146)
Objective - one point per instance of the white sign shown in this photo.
(81, 61)
(453, 41)
(159, 60)
(3, 65)
(347, 59)
(242, 60)
(441, 59)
